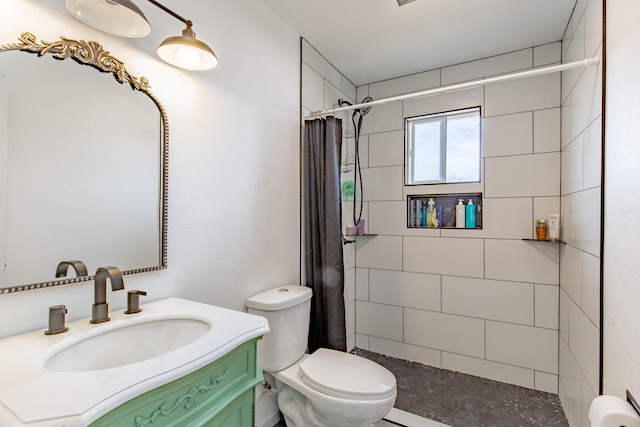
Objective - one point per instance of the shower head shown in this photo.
(364, 111)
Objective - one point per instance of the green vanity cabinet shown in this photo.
(220, 394)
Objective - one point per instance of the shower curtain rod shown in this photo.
(461, 86)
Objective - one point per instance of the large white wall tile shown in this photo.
(591, 287)
(315, 60)
(571, 272)
(592, 146)
(500, 64)
(386, 149)
(488, 299)
(388, 217)
(383, 183)
(586, 99)
(467, 98)
(379, 320)
(413, 353)
(350, 320)
(547, 300)
(586, 398)
(584, 227)
(525, 346)
(593, 28)
(488, 369)
(312, 89)
(383, 252)
(455, 334)
(383, 118)
(362, 284)
(570, 381)
(350, 285)
(584, 343)
(406, 84)
(546, 382)
(522, 261)
(572, 163)
(507, 135)
(563, 320)
(533, 93)
(547, 54)
(415, 290)
(502, 218)
(522, 176)
(546, 130)
(574, 52)
(349, 89)
(455, 257)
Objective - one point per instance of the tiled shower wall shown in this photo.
(580, 203)
(483, 302)
(322, 86)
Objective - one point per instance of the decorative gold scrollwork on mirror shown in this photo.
(86, 165)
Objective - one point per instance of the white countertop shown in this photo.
(31, 395)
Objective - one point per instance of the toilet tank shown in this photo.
(287, 309)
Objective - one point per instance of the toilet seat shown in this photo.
(346, 376)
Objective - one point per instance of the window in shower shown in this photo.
(443, 148)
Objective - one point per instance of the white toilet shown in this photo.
(327, 388)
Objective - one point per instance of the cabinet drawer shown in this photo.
(196, 397)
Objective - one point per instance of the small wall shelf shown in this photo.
(346, 241)
(546, 241)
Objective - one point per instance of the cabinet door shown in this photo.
(196, 398)
(238, 413)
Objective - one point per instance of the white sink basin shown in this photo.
(124, 344)
(74, 378)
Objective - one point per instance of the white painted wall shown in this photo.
(579, 341)
(621, 298)
(234, 165)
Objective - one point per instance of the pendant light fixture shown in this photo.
(123, 18)
(118, 17)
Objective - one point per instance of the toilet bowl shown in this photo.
(327, 388)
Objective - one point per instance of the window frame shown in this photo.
(442, 117)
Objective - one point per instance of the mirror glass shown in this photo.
(83, 171)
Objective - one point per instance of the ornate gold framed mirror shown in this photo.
(86, 164)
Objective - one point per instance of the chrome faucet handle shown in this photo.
(100, 307)
(78, 266)
(133, 302)
(56, 320)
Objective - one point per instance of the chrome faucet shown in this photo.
(100, 308)
(78, 266)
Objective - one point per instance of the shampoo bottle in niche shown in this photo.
(470, 217)
(431, 213)
(460, 213)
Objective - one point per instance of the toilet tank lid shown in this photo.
(280, 298)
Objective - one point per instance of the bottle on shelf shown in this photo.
(470, 217)
(460, 214)
(431, 214)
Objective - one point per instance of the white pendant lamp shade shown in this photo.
(187, 52)
(119, 17)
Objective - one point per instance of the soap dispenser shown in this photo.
(460, 214)
(470, 217)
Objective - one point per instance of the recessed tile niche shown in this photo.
(445, 206)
